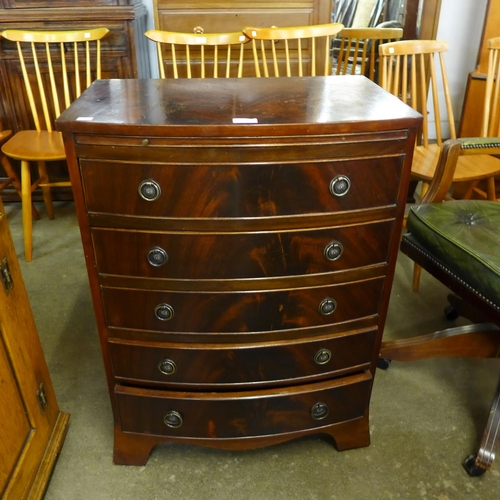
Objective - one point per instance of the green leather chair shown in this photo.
(458, 242)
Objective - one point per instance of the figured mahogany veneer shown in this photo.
(240, 269)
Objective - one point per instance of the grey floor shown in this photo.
(426, 416)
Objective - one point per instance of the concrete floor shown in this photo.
(426, 416)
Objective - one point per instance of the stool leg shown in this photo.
(26, 209)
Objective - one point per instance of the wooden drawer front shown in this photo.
(239, 255)
(231, 191)
(240, 311)
(215, 364)
(242, 414)
(231, 19)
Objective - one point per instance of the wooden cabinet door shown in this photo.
(32, 429)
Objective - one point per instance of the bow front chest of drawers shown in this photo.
(240, 237)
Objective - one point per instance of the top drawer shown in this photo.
(239, 191)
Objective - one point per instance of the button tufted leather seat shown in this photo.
(465, 235)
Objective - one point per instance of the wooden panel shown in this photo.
(24, 423)
(14, 424)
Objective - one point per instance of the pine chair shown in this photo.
(293, 51)
(406, 67)
(49, 92)
(357, 50)
(491, 115)
(457, 243)
(199, 55)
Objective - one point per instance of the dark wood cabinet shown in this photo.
(240, 237)
(124, 53)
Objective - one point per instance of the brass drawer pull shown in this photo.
(322, 357)
(145, 142)
(167, 366)
(149, 190)
(339, 186)
(333, 251)
(319, 411)
(164, 312)
(173, 419)
(327, 306)
(157, 257)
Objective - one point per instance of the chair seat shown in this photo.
(465, 235)
(30, 145)
(468, 168)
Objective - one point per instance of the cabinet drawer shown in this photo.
(251, 311)
(242, 414)
(238, 191)
(232, 19)
(239, 255)
(208, 365)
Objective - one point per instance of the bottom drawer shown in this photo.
(243, 414)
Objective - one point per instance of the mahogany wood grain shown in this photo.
(245, 211)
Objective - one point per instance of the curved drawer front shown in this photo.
(211, 365)
(239, 255)
(230, 415)
(239, 191)
(240, 311)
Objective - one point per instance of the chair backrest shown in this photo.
(51, 91)
(491, 115)
(293, 51)
(409, 71)
(356, 49)
(199, 55)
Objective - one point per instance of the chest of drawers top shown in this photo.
(225, 107)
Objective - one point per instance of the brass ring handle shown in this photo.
(149, 190)
(157, 257)
(198, 30)
(322, 357)
(167, 366)
(319, 411)
(172, 419)
(340, 185)
(327, 306)
(333, 251)
(164, 312)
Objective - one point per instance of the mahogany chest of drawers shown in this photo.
(240, 237)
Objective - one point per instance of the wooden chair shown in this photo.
(457, 242)
(293, 51)
(49, 93)
(199, 55)
(491, 114)
(406, 67)
(356, 50)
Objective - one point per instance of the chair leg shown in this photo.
(492, 195)
(9, 170)
(47, 196)
(26, 209)
(476, 465)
